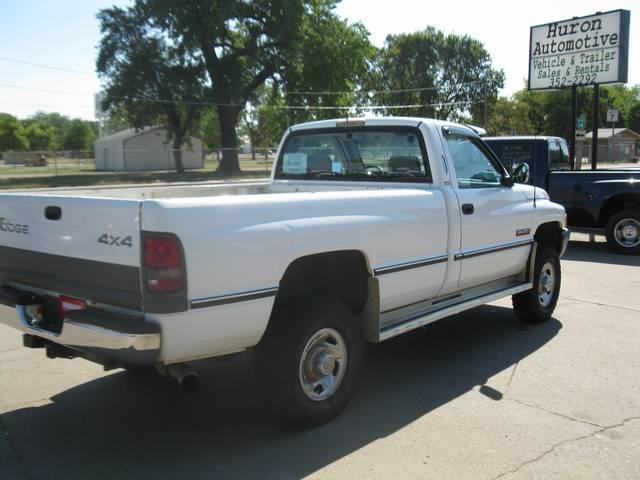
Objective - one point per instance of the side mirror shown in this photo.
(520, 173)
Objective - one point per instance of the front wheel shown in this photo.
(309, 360)
(537, 305)
(623, 232)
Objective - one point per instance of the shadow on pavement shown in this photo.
(132, 426)
(585, 251)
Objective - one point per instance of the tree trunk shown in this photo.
(177, 155)
(228, 117)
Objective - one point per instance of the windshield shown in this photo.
(354, 154)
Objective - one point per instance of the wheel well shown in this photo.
(616, 204)
(340, 275)
(549, 234)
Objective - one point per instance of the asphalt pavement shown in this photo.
(476, 396)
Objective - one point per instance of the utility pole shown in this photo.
(594, 136)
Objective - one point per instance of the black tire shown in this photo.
(615, 232)
(280, 360)
(537, 305)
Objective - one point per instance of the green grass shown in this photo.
(102, 179)
(83, 174)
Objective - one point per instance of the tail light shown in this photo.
(163, 263)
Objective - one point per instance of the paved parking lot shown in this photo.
(478, 396)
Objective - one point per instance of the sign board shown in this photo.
(581, 51)
(581, 122)
(612, 115)
(581, 133)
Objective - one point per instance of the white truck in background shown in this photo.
(367, 229)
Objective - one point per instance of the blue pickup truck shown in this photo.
(601, 201)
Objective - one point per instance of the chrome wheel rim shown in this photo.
(546, 284)
(627, 232)
(323, 364)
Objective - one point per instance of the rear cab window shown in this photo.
(559, 160)
(513, 151)
(378, 154)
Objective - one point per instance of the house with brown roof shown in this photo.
(616, 144)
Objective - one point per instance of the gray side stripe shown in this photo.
(409, 265)
(234, 298)
(485, 251)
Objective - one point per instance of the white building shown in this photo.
(145, 149)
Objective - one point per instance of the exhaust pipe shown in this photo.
(187, 378)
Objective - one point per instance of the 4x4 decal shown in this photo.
(116, 241)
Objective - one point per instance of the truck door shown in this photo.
(495, 220)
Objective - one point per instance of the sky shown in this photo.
(64, 34)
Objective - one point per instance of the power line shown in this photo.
(43, 105)
(376, 92)
(278, 107)
(50, 67)
(45, 90)
(293, 92)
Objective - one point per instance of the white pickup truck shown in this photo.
(367, 229)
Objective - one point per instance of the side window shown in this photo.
(555, 154)
(473, 167)
(564, 149)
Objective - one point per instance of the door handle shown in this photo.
(467, 208)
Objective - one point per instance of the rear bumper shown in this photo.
(110, 336)
(566, 233)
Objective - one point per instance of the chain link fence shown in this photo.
(44, 169)
(609, 154)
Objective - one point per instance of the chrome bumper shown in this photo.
(110, 336)
(566, 233)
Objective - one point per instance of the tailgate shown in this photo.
(82, 247)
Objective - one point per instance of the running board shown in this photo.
(421, 321)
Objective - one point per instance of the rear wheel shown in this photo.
(537, 305)
(623, 232)
(309, 361)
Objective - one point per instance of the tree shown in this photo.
(241, 44)
(508, 117)
(623, 99)
(115, 120)
(549, 112)
(41, 136)
(447, 75)
(268, 117)
(12, 134)
(79, 136)
(634, 118)
(150, 79)
(209, 129)
(58, 122)
(326, 68)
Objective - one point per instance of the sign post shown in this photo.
(612, 118)
(574, 125)
(590, 50)
(594, 133)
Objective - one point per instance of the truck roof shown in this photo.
(380, 122)
(524, 137)
(373, 121)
